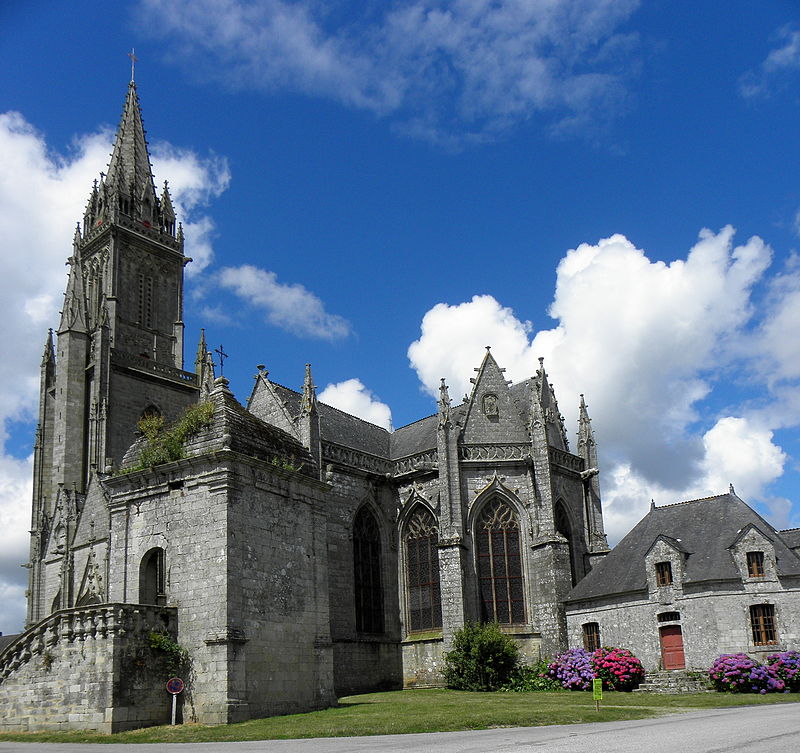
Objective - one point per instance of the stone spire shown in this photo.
(444, 404)
(73, 315)
(586, 444)
(49, 355)
(554, 421)
(129, 171)
(204, 367)
(308, 404)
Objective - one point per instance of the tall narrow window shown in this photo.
(762, 620)
(591, 636)
(145, 300)
(499, 564)
(422, 572)
(755, 564)
(663, 573)
(367, 573)
(152, 578)
(565, 529)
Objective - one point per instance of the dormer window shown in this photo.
(755, 564)
(663, 573)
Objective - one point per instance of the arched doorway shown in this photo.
(672, 656)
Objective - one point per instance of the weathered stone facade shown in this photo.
(692, 581)
(300, 552)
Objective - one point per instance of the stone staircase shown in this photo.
(674, 682)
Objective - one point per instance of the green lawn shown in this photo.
(407, 711)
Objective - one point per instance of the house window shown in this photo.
(762, 620)
(422, 572)
(499, 564)
(755, 564)
(152, 578)
(663, 573)
(591, 636)
(669, 616)
(367, 573)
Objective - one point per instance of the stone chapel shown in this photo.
(297, 552)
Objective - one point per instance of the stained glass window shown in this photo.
(422, 571)
(499, 564)
(367, 573)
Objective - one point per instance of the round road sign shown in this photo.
(175, 685)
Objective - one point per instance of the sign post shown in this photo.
(597, 693)
(174, 686)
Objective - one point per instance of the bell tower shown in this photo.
(118, 351)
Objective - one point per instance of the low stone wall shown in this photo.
(89, 668)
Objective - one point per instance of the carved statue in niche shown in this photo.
(490, 407)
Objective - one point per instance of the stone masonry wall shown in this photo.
(86, 668)
(713, 621)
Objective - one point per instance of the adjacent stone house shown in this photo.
(297, 552)
(692, 581)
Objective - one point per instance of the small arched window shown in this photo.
(367, 573)
(499, 564)
(422, 571)
(152, 578)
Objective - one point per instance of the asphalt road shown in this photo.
(754, 729)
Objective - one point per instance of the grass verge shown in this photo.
(403, 712)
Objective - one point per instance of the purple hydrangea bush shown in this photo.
(738, 673)
(617, 667)
(573, 669)
(787, 667)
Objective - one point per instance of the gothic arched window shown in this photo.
(422, 571)
(367, 573)
(564, 527)
(152, 578)
(499, 564)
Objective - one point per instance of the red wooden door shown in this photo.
(672, 647)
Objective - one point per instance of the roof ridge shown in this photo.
(689, 501)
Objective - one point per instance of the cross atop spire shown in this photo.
(132, 56)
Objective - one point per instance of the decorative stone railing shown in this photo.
(355, 458)
(566, 460)
(85, 623)
(494, 452)
(154, 367)
(422, 461)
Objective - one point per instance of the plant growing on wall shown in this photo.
(164, 444)
(482, 658)
(173, 656)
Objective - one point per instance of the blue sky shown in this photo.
(384, 188)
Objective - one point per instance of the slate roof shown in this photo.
(337, 426)
(705, 528)
(791, 537)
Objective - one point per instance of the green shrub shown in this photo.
(532, 677)
(482, 658)
(165, 444)
(174, 658)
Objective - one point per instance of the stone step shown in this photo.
(674, 682)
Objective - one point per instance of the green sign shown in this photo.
(597, 690)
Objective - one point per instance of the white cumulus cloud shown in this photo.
(289, 306)
(352, 397)
(647, 342)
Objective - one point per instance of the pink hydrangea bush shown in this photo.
(787, 667)
(618, 668)
(738, 673)
(575, 669)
